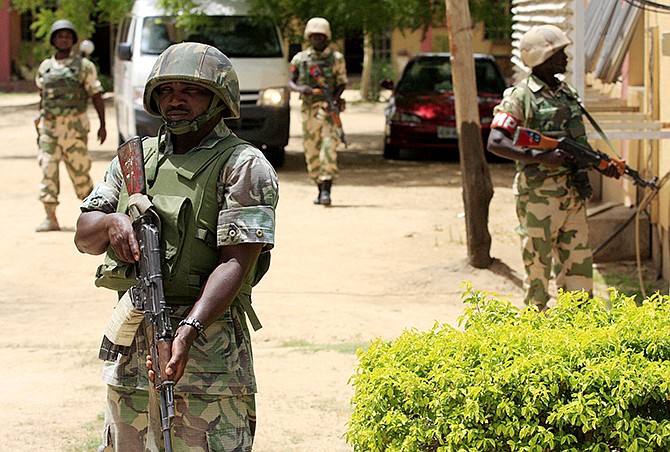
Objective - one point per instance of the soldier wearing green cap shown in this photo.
(550, 195)
(65, 81)
(216, 197)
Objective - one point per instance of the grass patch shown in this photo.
(90, 439)
(346, 348)
(624, 277)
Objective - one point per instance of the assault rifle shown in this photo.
(584, 157)
(333, 108)
(148, 294)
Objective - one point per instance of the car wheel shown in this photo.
(275, 156)
(391, 152)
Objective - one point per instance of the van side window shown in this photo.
(155, 36)
(124, 29)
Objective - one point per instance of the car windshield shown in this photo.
(433, 74)
(235, 36)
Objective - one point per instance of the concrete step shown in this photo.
(605, 220)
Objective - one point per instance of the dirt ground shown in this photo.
(389, 255)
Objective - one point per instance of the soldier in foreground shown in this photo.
(319, 74)
(216, 197)
(65, 82)
(550, 194)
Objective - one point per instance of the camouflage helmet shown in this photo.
(59, 25)
(202, 65)
(317, 25)
(540, 43)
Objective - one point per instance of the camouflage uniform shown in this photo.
(63, 129)
(320, 137)
(215, 402)
(552, 213)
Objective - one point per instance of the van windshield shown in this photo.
(235, 36)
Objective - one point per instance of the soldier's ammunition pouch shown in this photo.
(580, 180)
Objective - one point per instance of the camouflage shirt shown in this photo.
(247, 193)
(82, 68)
(331, 63)
(552, 112)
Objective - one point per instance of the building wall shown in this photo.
(657, 58)
(407, 43)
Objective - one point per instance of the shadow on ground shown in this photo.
(362, 164)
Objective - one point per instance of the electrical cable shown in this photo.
(640, 208)
(648, 5)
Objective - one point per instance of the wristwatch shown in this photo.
(195, 323)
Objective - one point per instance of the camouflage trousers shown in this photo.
(203, 422)
(64, 138)
(320, 141)
(554, 237)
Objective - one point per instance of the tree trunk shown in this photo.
(477, 185)
(368, 55)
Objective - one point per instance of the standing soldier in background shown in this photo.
(320, 134)
(65, 82)
(550, 193)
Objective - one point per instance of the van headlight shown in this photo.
(274, 97)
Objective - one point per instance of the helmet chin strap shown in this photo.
(182, 127)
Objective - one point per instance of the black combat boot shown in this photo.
(324, 194)
(317, 200)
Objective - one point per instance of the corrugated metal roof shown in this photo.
(608, 30)
(615, 43)
(528, 13)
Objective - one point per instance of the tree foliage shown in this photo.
(349, 17)
(84, 14)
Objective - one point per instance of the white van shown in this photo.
(255, 49)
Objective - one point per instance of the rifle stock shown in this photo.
(584, 156)
(333, 109)
(148, 293)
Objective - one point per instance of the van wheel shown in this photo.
(275, 156)
(391, 152)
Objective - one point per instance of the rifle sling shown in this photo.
(592, 121)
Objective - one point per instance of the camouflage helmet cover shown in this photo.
(62, 24)
(540, 43)
(317, 25)
(196, 63)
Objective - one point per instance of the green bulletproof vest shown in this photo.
(326, 62)
(188, 218)
(62, 91)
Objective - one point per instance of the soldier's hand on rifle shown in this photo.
(181, 344)
(102, 134)
(611, 170)
(122, 237)
(306, 90)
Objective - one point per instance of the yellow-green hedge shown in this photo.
(583, 377)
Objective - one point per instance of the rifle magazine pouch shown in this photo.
(121, 328)
(115, 274)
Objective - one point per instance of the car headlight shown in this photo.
(403, 116)
(273, 97)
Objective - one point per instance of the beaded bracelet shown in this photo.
(195, 323)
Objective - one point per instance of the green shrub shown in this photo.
(580, 378)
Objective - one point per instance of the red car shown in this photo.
(421, 115)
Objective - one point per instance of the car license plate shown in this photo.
(445, 132)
